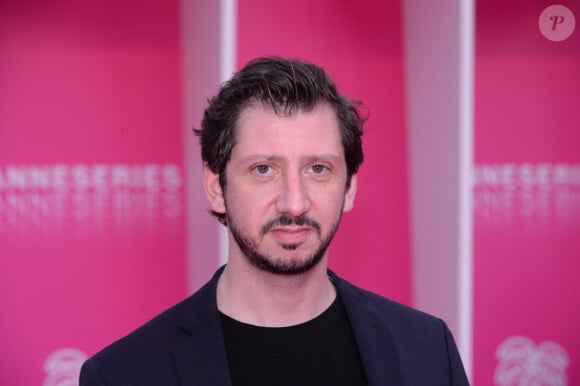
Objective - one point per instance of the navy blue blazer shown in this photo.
(184, 345)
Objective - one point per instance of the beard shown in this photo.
(277, 265)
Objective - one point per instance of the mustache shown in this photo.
(287, 220)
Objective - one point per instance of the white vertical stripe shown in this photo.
(228, 50)
(466, 127)
(207, 41)
(228, 38)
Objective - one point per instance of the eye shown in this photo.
(263, 169)
(319, 169)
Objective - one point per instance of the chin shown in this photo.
(290, 266)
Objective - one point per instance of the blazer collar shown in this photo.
(375, 342)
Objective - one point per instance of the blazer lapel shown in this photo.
(375, 342)
(200, 358)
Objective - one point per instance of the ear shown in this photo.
(350, 194)
(213, 190)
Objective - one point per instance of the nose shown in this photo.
(293, 198)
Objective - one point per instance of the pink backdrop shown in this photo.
(91, 202)
(92, 229)
(360, 44)
(92, 234)
(527, 198)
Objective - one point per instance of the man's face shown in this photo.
(286, 188)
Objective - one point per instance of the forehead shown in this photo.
(260, 128)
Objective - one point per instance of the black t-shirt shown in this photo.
(322, 351)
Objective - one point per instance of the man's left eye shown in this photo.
(318, 169)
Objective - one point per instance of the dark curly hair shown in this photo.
(288, 86)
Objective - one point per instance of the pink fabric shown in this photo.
(527, 199)
(91, 197)
(360, 45)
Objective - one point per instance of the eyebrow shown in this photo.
(324, 157)
(259, 157)
(277, 159)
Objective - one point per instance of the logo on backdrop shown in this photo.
(90, 199)
(63, 366)
(530, 197)
(522, 363)
(557, 23)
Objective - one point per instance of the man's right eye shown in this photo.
(263, 169)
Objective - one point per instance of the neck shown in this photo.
(251, 295)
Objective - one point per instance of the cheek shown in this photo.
(245, 207)
(329, 206)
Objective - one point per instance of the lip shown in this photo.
(290, 235)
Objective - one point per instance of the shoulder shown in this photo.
(159, 331)
(379, 304)
(147, 352)
(422, 343)
(137, 357)
(406, 324)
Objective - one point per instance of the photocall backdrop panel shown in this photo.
(91, 173)
(91, 182)
(527, 194)
(92, 230)
(360, 45)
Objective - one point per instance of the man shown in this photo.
(281, 151)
